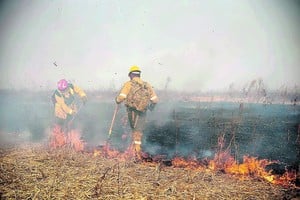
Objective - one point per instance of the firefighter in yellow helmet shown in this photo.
(64, 102)
(138, 97)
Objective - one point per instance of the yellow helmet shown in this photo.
(134, 68)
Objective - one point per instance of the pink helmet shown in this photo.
(62, 84)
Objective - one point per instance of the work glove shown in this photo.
(84, 99)
(151, 106)
(117, 102)
(74, 109)
(73, 112)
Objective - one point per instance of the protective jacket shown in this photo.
(126, 89)
(65, 101)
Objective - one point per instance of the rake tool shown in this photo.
(113, 120)
(112, 123)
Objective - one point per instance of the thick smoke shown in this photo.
(194, 129)
(24, 117)
(174, 128)
(29, 117)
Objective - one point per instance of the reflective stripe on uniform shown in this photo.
(137, 142)
(123, 95)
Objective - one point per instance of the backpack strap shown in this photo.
(71, 86)
(134, 81)
(56, 92)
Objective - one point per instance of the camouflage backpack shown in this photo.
(139, 96)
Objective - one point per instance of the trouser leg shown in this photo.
(137, 142)
(64, 123)
(137, 123)
(59, 122)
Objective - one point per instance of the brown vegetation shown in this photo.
(37, 172)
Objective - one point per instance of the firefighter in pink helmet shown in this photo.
(64, 102)
(136, 116)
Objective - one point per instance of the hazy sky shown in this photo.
(199, 45)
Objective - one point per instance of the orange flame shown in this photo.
(109, 152)
(75, 141)
(191, 164)
(97, 152)
(59, 139)
(251, 167)
(287, 179)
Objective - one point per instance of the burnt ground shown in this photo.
(193, 129)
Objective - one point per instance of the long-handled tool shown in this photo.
(113, 120)
(107, 142)
(111, 126)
